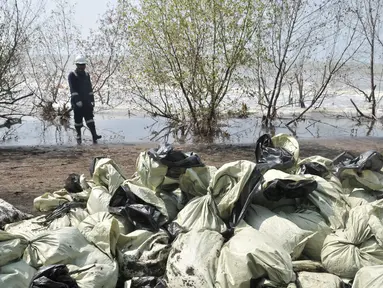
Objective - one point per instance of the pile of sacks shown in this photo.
(277, 221)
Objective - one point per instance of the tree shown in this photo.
(49, 56)
(184, 55)
(295, 36)
(105, 50)
(17, 25)
(368, 16)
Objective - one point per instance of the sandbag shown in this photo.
(360, 196)
(29, 228)
(10, 214)
(16, 275)
(61, 246)
(371, 277)
(328, 197)
(311, 279)
(195, 181)
(199, 214)
(11, 247)
(102, 230)
(310, 220)
(316, 165)
(193, 259)
(53, 276)
(250, 254)
(98, 201)
(143, 253)
(108, 174)
(358, 245)
(228, 183)
(70, 219)
(89, 266)
(50, 201)
(283, 232)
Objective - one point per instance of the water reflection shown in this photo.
(140, 129)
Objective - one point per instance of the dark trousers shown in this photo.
(85, 113)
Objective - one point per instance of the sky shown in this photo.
(88, 11)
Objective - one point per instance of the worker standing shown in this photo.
(82, 99)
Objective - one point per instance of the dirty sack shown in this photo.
(193, 259)
(195, 181)
(312, 279)
(108, 174)
(143, 253)
(10, 214)
(11, 247)
(199, 214)
(364, 171)
(359, 245)
(160, 169)
(145, 208)
(49, 201)
(282, 231)
(228, 183)
(88, 265)
(280, 152)
(250, 254)
(16, 274)
(53, 276)
(310, 220)
(371, 277)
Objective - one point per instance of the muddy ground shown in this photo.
(29, 172)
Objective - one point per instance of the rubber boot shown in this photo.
(78, 136)
(92, 129)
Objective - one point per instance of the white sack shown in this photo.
(16, 275)
(325, 280)
(252, 254)
(11, 247)
(99, 199)
(371, 277)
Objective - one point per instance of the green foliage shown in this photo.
(184, 54)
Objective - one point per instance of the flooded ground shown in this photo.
(122, 129)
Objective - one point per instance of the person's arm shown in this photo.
(74, 94)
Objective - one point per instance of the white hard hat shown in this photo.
(80, 59)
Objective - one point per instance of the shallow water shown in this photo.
(120, 129)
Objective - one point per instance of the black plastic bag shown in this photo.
(53, 276)
(278, 189)
(251, 188)
(126, 204)
(72, 183)
(270, 157)
(370, 160)
(176, 161)
(314, 168)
